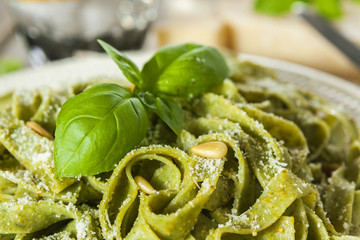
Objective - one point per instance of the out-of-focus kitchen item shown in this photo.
(351, 51)
(191, 21)
(61, 27)
(6, 23)
(13, 51)
(234, 24)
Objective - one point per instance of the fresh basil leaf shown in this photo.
(273, 7)
(128, 67)
(167, 109)
(329, 8)
(184, 70)
(96, 128)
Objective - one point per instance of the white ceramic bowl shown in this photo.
(344, 94)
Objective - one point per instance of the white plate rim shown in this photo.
(77, 69)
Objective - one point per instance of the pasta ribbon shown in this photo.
(289, 169)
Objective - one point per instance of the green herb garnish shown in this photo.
(96, 128)
(331, 9)
(9, 65)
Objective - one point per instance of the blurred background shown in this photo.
(33, 32)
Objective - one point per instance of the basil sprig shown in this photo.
(96, 128)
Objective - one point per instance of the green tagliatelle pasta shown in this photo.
(291, 171)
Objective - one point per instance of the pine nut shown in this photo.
(39, 130)
(213, 149)
(144, 185)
